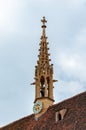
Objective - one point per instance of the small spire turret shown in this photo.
(44, 73)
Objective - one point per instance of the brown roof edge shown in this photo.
(75, 96)
(29, 116)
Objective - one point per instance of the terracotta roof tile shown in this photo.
(75, 117)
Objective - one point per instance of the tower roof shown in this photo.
(74, 119)
(43, 51)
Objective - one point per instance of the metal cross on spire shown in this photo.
(44, 27)
(44, 21)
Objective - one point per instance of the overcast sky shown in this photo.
(20, 32)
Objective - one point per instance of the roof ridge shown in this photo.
(28, 116)
(68, 99)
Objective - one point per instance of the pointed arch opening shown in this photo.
(59, 117)
(48, 83)
(42, 86)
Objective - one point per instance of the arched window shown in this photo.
(42, 81)
(42, 86)
(48, 81)
(59, 117)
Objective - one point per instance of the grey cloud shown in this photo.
(19, 43)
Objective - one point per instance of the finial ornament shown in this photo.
(43, 27)
(44, 21)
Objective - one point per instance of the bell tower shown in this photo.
(43, 76)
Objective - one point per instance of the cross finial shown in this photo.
(44, 21)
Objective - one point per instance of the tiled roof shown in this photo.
(74, 119)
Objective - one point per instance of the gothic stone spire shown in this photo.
(44, 72)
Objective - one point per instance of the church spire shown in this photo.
(43, 51)
(44, 73)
